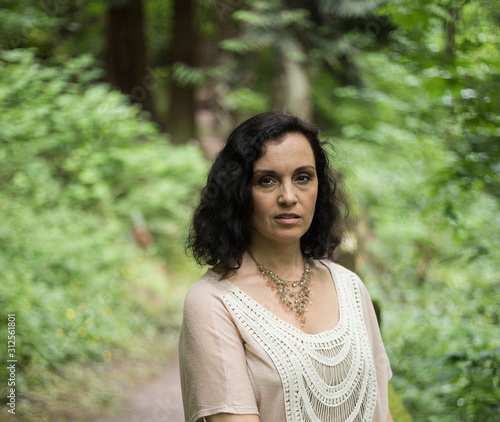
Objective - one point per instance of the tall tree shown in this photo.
(181, 123)
(450, 24)
(126, 53)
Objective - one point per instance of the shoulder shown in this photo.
(336, 268)
(352, 277)
(205, 299)
(206, 317)
(208, 287)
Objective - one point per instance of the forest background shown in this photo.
(110, 112)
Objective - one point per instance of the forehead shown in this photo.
(293, 150)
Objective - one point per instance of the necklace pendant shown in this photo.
(296, 302)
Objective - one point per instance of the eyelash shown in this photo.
(262, 181)
(306, 176)
(300, 176)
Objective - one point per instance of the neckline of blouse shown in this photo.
(292, 328)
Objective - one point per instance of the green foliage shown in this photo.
(85, 146)
(463, 75)
(398, 410)
(80, 171)
(55, 28)
(287, 30)
(62, 282)
(446, 354)
(267, 24)
(246, 101)
(26, 23)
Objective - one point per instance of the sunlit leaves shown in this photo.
(77, 164)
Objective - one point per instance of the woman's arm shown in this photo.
(228, 417)
(213, 366)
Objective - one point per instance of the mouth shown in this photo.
(287, 218)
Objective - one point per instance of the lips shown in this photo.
(287, 218)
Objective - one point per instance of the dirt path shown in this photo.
(157, 401)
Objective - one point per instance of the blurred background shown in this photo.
(110, 112)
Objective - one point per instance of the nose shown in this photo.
(287, 195)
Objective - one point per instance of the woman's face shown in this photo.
(284, 190)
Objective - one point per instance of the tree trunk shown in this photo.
(181, 116)
(126, 52)
(292, 90)
(450, 29)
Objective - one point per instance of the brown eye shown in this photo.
(266, 181)
(303, 178)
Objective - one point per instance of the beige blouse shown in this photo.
(237, 357)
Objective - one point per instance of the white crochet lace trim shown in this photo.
(326, 377)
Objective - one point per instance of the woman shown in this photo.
(276, 331)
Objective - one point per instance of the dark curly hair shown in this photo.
(220, 230)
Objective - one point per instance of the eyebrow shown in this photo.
(308, 167)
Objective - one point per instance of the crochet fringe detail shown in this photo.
(326, 377)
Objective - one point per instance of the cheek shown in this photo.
(313, 197)
(259, 205)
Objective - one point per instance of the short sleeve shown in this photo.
(382, 365)
(213, 366)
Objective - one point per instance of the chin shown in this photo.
(282, 235)
(290, 237)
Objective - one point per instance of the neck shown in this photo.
(286, 260)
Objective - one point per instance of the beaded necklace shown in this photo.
(292, 301)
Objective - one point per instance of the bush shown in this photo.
(80, 170)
